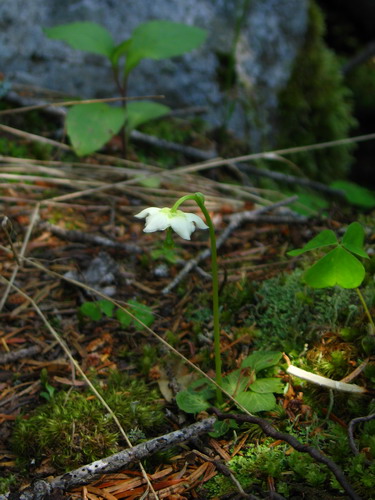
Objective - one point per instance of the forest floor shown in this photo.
(72, 220)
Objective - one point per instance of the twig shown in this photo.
(115, 462)
(351, 425)
(292, 179)
(81, 237)
(188, 151)
(269, 430)
(235, 220)
(21, 353)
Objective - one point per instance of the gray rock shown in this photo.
(270, 37)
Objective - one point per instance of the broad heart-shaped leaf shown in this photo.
(143, 111)
(338, 267)
(264, 385)
(357, 195)
(323, 239)
(160, 39)
(259, 360)
(191, 401)
(90, 126)
(254, 402)
(353, 239)
(87, 36)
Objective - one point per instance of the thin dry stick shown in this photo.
(62, 104)
(76, 365)
(33, 220)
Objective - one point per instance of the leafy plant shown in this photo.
(340, 265)
(95, 311)
(90, 126)
(251, 391)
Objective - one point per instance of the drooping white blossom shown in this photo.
(159, 219)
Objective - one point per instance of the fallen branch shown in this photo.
(351, 425)
(269, 430)
(113, 463)
(81, 237)
(8, 357)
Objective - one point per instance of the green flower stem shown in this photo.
(361, 298)
(199, 199)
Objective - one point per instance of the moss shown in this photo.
(314, 107)
(73, 428)
(290, 314)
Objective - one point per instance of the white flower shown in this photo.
(159, 219)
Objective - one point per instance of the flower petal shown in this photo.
(157, 222)
(197, 220)
(182, 226)
(146, 212)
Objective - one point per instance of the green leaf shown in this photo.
(119, 51)
(143, 111)
(141, 312)
(254, 402)
(259, 360)
(87, 36)
(337, 267)
(323, 239)
(264, 385)
(124, 318)
(353, 239)
(221, 427)
(191, 401)
(106, 307)
(161, 39)
(357, 195)
(92, 310)
(90, 126)
(235, 382)
(309, 204)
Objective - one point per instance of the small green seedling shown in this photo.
(95, 311)
(340, 266)
(247, 385)
(90, 126)
(49, 391)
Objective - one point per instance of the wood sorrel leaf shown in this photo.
(353, 239)
(87, 36)
(90, 126)
(337, 267)
(355, 194)
(254, 402)
(161, 39)
(323, 239)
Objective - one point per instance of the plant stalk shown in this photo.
(361, 298)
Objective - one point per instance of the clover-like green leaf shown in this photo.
(106, 306)
(92, 310)
(353, 239)
(355, 194)
(141, 312)
(323, 239)
(235, 382)
(87, 36)
(337, 267)
(254, 402)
